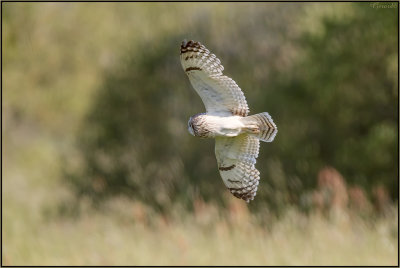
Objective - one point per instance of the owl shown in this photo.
(237, 135)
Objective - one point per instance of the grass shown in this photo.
(125, 232)
(106, 239)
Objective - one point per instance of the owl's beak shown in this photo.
(190, 129)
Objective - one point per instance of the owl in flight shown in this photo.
(237, 135)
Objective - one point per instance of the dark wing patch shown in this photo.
(192, 69)
(227, 168)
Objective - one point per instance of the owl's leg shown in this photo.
(252, 129)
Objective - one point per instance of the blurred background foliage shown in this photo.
(332, 90)
(95, 108)
(112, 93)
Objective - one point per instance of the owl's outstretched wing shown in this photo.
(236, 158)
(220, 94)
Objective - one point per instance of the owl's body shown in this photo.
(237, 135)
(211, 126)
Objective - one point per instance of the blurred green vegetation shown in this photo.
(327, 73)
(95, 109)
(332, 91)
(118, 100)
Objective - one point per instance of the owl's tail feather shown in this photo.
(261, 125)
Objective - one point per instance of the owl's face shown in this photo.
(190, 126)
(197, 126)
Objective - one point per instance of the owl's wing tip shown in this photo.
(190, 43)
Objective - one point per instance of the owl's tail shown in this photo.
(261, 125)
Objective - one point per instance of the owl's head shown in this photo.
(196, 126)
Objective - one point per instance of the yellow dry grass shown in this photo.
(125, 232)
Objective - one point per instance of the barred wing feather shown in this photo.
(219, 93)
(236, 158)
